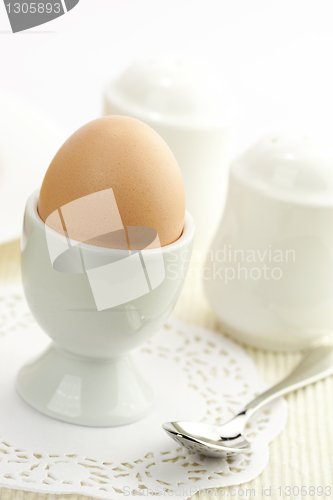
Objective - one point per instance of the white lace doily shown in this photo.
(197, 374)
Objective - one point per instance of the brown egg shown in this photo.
(113, 172)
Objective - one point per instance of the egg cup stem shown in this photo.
(82, 390)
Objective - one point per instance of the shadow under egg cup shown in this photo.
(87, 376)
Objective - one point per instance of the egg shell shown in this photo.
(130, 160)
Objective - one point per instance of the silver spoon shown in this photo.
(227, 439)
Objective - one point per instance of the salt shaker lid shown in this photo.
(292, 167)
(174, 90)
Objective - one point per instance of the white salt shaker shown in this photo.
(269, 272)
(192, 109)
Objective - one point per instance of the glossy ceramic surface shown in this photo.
(279, 214)
(90, 359)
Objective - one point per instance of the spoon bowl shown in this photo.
(206, 439)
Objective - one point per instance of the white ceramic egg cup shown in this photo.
(87, 376)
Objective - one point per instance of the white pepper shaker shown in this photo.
(269, 272)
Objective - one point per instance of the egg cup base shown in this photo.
(85, 391)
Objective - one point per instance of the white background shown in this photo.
(277, 56)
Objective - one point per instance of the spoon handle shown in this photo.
(317, 364)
